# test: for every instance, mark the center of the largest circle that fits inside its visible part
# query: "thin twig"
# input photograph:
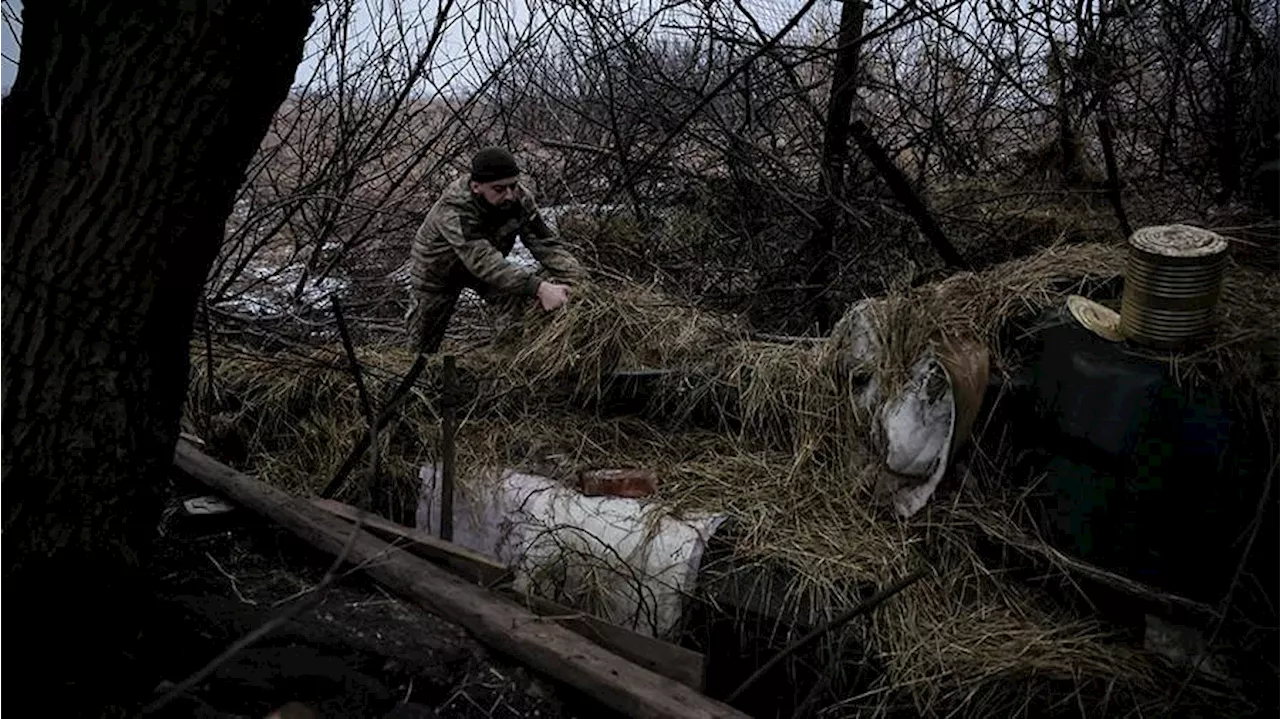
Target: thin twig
(366, 404)
(235, 583)
(271, 625)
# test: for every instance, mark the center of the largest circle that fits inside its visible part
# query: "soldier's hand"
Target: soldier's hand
(552, 296)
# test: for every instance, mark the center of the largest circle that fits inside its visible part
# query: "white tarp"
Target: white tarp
(919, 424)
(626, 560)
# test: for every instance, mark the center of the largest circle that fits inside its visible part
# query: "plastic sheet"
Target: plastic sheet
(625, 560)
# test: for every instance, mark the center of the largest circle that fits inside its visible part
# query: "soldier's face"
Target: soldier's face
(499, 193)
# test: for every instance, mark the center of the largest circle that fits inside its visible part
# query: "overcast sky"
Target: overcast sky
(9, 45)
(458, 45)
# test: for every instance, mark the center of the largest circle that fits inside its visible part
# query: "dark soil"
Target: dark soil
(359, 652)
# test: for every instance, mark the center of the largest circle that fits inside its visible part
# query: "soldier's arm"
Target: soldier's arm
(547, 247)
(484, 261)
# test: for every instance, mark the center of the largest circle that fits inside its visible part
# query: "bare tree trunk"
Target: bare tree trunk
(127, 132)
(835, 154)
(1115, 186)
(1228, 154)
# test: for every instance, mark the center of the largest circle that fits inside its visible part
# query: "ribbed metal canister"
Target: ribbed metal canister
(1172, 281)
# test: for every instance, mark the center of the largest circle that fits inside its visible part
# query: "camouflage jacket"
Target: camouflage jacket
(463, 240)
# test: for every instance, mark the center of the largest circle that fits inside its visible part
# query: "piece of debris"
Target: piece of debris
(206, 505)
(633, 483)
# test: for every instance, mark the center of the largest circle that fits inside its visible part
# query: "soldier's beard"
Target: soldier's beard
(503, 206)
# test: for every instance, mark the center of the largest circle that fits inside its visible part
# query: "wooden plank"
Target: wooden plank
(460, 560)
(497, 621)
(674, 662)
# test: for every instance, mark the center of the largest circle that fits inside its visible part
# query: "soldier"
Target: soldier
(464, 242)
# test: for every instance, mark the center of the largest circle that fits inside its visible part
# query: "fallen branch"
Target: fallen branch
(498, 622)
(911, 202)
(393, 404)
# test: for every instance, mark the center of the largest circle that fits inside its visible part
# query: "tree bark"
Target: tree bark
(127, 132)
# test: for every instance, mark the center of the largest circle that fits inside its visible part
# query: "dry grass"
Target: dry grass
(791, 465)
(606, 329)
(981, 305)
(992, 221)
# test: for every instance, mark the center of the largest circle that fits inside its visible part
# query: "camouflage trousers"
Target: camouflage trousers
(431, 311)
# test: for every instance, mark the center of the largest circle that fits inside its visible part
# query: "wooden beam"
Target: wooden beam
(674, 662)
(671, 661)
(496, 621)
(460, 560)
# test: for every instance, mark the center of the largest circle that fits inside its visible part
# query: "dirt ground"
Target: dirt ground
(360, 652)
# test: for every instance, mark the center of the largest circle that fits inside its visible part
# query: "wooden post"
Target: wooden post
(447, 430)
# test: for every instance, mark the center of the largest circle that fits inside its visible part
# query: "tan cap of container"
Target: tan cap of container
(1098, 319)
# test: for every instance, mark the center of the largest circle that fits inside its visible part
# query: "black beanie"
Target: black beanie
(493, 163)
